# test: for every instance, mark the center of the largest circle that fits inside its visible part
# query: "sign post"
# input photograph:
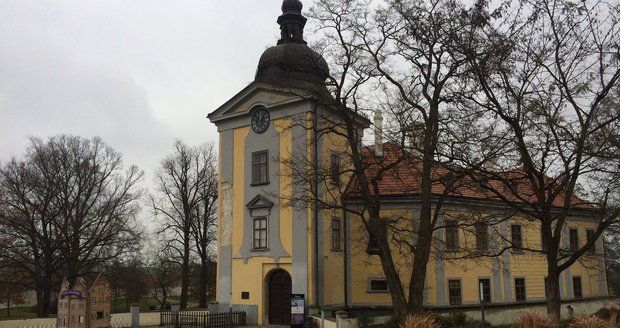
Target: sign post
(298, 310)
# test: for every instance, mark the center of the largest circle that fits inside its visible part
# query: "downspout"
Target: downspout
(315, 125)
(346, 256)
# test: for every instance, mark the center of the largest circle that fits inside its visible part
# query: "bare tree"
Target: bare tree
(541, 72)
(396, 57)
(96, 199)
(66, 205)
(184, 197)
(204, 228)
(164, 274)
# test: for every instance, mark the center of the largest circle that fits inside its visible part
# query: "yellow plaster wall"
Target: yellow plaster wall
(532, 266)
(239, 136)
(252, 277)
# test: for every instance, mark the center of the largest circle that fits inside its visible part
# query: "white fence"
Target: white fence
(119, 320)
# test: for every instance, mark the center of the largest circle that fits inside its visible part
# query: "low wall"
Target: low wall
(497, 316)
(119, 320)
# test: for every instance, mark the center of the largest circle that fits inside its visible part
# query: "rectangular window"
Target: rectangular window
(577, 290)
(520, 289)
(335, 169)
(336, 234)
(378, 285)
(516, 236)
(454, 290)
(590, 236)
(260, 167)
(373, 246)
(99, 315)
(574, 240)
(452, 235)
(484, 284)
(482, 237)
(260, 233)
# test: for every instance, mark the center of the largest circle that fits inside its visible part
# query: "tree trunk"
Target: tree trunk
(425, 230)
(552, 289)
(164, 298)
(44, 291)
(185, 274)
(399, 302)
(420, 260)
(202, 290)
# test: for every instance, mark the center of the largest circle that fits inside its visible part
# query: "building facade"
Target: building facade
(86, 305)
(271, 246)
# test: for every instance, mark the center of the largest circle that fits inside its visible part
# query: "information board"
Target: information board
(298, 306)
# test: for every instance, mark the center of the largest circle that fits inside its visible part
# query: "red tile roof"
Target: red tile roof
(403, 178)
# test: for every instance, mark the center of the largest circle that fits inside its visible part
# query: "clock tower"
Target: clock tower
(267, 245)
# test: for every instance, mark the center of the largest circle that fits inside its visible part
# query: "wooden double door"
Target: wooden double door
(280, 290)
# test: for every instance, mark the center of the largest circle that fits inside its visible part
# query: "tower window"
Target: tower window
(260, 233)
(260, 167)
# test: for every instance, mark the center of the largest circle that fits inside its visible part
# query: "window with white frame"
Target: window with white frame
(260, 233)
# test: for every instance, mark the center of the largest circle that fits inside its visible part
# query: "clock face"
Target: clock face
(260, 120)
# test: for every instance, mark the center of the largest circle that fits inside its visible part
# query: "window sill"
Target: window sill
(336, 249)
(260, 250)
(256, 184)
(377, 292)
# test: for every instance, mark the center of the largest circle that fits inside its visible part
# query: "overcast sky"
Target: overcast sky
(137, 73)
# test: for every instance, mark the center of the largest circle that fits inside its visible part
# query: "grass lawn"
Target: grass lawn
(28, 311)
(18, 313)
(145, 303)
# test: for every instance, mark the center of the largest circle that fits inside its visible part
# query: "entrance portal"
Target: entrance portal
(280, 298)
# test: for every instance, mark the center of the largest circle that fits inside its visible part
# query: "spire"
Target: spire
(292, 22)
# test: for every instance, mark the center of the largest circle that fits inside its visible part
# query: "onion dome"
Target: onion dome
(292, 63)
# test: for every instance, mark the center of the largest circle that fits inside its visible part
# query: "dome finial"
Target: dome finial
(292, 6)
(292, 22)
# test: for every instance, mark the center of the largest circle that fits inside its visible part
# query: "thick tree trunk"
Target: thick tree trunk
(399, 302)
(204, 279)
(44, 292)
(552, 289)
(418, 274)
(425, 231)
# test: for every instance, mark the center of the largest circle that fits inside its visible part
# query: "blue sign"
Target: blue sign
(71, 292)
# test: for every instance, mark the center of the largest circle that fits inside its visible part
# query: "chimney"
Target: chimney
(378, 133)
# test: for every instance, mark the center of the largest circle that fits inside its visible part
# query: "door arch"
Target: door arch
(280, 289)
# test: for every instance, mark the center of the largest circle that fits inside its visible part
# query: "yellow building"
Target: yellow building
(270, 249)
